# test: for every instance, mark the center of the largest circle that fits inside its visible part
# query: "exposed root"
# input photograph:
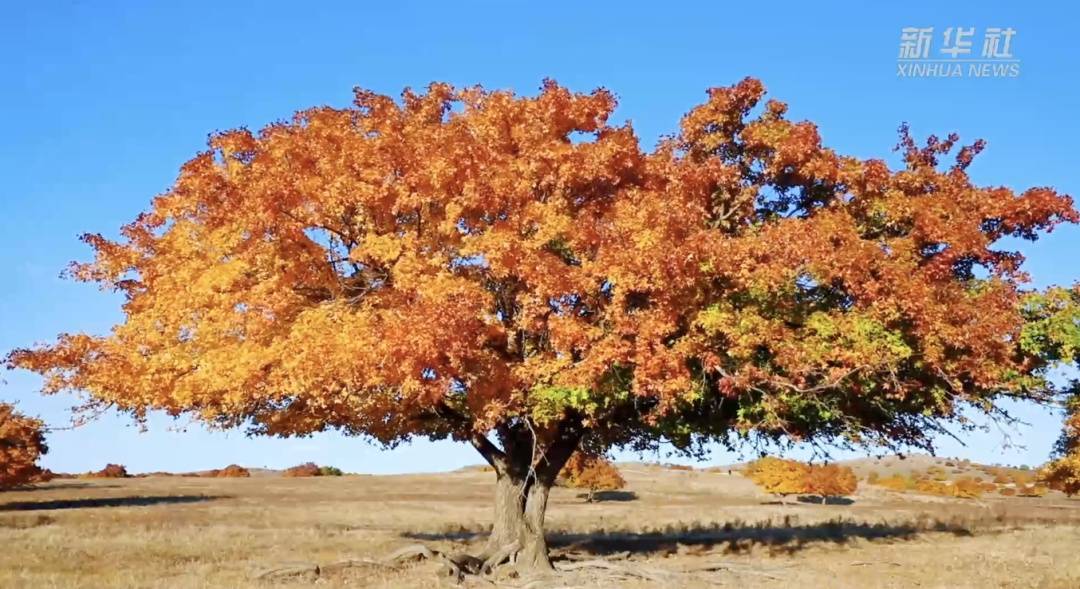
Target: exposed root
(290, 570)
(647, 573)
(500, 556)
(455, 565)
(465, 569)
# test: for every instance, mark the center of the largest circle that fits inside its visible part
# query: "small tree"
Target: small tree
(593, 473)
(830, 480)
(22, 442)
(779, 476)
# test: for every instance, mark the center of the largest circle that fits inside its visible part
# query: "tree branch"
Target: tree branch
(491, 453)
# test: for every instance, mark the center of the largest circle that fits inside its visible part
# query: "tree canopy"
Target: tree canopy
(464, 259)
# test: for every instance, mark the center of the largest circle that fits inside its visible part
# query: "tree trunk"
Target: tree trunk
(534, 549)
(520, 507)
(521, 494)
(509, 512)
(824, 499)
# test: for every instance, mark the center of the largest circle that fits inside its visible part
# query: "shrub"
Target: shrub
(307, 469)
(330, 471)
(1007, 491)
(111, 471)
(967, 488)
(22, 442)
(872, 477)
(1031, 491)
(963, 488)
(897, 482)
(1062, 474)
(830, 480)
(593, 473)
(43, 476)
(1002, 478)
(936, 473)
(1022, 478)
(232, 471)
(931, 487)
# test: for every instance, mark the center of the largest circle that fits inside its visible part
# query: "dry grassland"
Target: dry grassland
(186, 533)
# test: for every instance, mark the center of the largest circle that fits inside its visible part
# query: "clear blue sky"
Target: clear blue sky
(103, 101)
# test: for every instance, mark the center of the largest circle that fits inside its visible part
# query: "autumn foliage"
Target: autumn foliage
(464, 263)
(307, 469)
(896, 482)
(111, 471)
(22, 443)
(786, 477)
(830, 480)
(231, 471)
(593, 473)
(962, 488)
(778, 476)
(1031, 490)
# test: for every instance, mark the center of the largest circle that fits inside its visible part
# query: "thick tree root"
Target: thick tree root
(465, 569)
(455, 565)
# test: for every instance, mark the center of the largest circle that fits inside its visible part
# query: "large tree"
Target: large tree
(518, 273)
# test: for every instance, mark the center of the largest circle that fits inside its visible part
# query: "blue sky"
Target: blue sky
(103, 101)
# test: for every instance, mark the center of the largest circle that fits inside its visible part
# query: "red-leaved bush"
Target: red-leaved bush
(111, 471)
(307, 469)
(22, 442)
(231, 471)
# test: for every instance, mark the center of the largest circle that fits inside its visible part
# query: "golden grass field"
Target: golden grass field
(200, 533)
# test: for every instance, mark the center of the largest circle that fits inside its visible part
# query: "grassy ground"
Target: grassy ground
(200, 533)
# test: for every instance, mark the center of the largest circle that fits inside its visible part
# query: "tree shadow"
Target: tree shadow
(738, 537)
(599, 496)
(51, 486)
(105, 502)
(816, 500)
(783, 537)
